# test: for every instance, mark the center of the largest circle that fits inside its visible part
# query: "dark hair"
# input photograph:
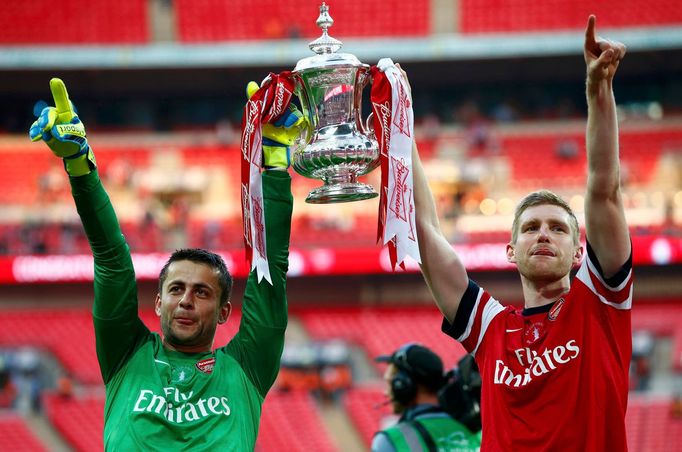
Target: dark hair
(201, 256)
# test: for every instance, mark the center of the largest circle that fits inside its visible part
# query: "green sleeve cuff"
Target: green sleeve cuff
(81, 165)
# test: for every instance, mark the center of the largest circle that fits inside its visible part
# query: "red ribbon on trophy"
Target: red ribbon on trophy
(394, 128)
(266, 105)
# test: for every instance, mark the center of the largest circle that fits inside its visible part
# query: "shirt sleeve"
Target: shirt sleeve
(475, 312)
(117, 326)
(615, 291)
(259, 342)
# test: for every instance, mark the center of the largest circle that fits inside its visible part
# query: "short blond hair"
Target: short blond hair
(542, 197)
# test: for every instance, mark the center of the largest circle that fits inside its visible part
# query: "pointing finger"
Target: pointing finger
(590, 36)
(61, 100)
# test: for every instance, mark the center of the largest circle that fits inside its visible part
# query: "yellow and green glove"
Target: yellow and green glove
(64, 133)
(279, 136)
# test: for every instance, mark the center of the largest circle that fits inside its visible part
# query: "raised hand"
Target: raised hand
(602, 56)
(280, 135)
(63, 131)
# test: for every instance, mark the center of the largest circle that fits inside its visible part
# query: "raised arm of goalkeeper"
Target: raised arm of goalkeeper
(114, 280)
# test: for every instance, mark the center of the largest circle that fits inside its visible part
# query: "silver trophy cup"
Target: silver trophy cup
(335, 145)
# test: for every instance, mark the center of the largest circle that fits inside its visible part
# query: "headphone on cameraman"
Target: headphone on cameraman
(403, 386)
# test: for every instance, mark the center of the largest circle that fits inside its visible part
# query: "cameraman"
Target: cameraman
(414, 377)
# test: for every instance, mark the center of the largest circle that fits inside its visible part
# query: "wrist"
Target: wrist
(80, 165)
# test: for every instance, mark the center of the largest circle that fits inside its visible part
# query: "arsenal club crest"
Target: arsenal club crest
(554, 312)
(206, 365)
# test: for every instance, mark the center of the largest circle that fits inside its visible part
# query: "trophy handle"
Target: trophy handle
(369, 126)
(366, 128)
(309, 116)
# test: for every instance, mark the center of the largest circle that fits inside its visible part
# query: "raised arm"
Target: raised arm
(442, 269)
(260, 340)
(607, 230)
(117, 325)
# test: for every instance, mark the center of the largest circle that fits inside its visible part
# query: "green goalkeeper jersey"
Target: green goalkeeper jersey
(157, 399)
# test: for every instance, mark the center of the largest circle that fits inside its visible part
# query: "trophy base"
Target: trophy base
(341, 192)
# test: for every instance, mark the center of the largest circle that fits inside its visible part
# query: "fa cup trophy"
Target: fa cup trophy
(336, 146)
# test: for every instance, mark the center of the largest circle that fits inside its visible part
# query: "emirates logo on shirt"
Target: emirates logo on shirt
(206, 365)
(535, 363)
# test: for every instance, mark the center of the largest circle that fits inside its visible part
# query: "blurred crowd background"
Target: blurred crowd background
(498, 91)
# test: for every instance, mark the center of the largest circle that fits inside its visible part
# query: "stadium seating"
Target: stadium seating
(662, 322)
(80, 22)
(16, 436)
(381, 331)
(535, 160)
(292, 418)
(653, 424)
(80, 421)
(214, 20)
(214, 220)
(367, 411)
(70, 336)
(520, 16)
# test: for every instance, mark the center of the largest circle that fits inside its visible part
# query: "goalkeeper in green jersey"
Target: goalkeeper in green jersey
(176, 392)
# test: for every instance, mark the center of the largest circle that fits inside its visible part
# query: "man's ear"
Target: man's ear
(157, 305)
(510, 254)
(578, 256)
(224, 313)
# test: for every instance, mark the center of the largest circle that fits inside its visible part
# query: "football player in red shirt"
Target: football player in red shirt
(555, 372)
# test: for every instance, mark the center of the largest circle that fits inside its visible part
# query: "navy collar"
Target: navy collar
(537, 309)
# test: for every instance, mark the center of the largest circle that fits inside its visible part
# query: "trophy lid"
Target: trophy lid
(325, 47)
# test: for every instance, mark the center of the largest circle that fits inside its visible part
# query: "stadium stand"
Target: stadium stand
(378, 331)
(16, 436)
(150, 210)
(292, 418)
(79, 420)
(69, 335)
(516, 16)
(212, 20)
(367, 410)
(653, 424)
(81, 22)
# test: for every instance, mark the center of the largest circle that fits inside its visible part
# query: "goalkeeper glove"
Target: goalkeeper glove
(64, 133)
(280, 135)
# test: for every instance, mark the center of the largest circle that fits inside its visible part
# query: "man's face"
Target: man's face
(544, 249)
(389, 373)
(189, 306)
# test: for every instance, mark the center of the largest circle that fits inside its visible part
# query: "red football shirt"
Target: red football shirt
(554, 377)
